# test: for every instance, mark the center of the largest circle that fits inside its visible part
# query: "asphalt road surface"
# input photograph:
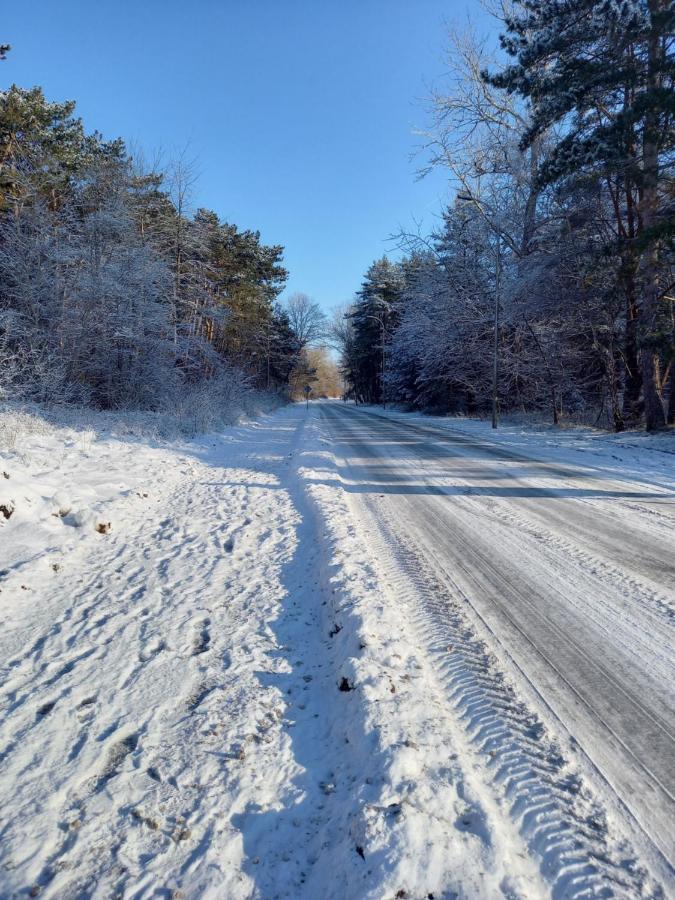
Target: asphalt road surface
(572, 574)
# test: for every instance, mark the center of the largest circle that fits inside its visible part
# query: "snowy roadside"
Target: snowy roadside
(213, 696)
(134, 725)
(221, 694)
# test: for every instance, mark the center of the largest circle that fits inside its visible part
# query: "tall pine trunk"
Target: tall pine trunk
(654, 413)
(632, 380)
(671, 399)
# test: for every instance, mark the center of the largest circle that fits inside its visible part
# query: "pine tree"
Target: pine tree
(602, 72)
(44, 149)
(374, 317)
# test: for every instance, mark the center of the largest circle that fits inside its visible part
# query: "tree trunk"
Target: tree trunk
(618, 421)
(654, 412)
(671, 398)
(554, 404)
(632, 381)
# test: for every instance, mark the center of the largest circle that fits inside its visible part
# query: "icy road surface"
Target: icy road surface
(570, 570)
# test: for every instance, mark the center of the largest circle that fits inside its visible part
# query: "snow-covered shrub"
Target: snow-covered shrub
(209, 405)
(16, 424)
(87, 319)
(83, 316)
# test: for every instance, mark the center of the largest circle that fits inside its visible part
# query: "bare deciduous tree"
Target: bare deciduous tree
(307, 319)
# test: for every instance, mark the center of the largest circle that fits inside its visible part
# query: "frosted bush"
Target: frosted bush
(16, 425)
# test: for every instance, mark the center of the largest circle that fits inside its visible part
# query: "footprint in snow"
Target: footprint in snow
(197, 696)
(45, 709)
(116, 756)
(85, 709)
(202, 640)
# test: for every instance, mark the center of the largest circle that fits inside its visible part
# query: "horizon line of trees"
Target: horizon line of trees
(562, 154)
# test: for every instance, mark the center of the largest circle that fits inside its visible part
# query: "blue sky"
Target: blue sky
(300, 113)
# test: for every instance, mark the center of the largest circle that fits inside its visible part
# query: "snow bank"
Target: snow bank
(134, 724)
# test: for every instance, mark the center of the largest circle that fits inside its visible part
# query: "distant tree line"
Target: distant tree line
(112, 293)
(564, 213)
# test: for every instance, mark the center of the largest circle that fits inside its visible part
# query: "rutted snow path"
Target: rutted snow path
(136, 738)
(250, 687)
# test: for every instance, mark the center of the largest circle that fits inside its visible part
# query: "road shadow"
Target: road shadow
(296, 835)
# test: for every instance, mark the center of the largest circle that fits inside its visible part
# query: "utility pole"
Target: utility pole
(269, 351)
(495, 351)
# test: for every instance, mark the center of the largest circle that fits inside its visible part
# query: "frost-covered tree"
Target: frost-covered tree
(441, 350)
(112, 291)
(602, 72)
(373, 318)
(474, 134)
(83, 307)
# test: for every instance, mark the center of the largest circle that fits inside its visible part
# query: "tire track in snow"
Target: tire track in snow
(564, 827)
(646, 628)
(658, 606)
(563, 824)
(518, 471)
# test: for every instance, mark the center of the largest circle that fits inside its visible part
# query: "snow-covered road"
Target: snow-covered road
(569, 572)
(331, 654)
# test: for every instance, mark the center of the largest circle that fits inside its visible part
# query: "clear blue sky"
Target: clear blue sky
(299, 112)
